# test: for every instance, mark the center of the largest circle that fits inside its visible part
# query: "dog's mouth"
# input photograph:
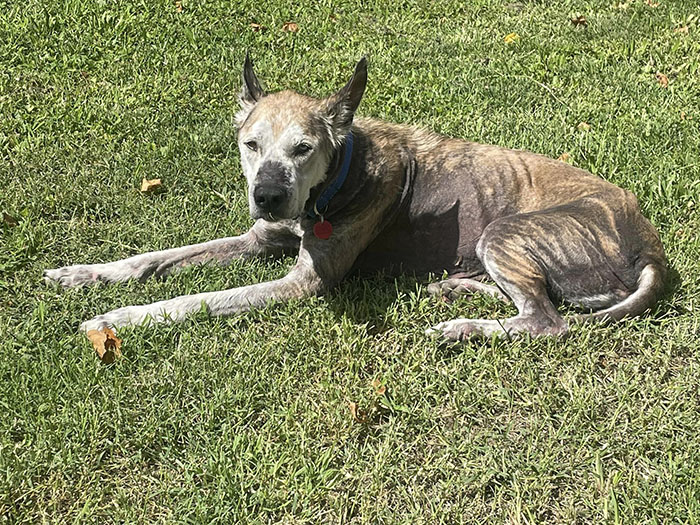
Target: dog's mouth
(275, 216)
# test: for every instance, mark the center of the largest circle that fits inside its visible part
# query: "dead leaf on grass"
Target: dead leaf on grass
(651, 3)
(106, 344)
(565, 157)
(579, 21)
(357, 413)
(178, 6)
(379, 389)
(662, 80)
(583, 126)
(9, 219)
(290, 27)
(681, 29)
(258, 28)
(150, 185)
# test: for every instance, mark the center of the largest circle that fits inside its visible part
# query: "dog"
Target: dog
(361, 195)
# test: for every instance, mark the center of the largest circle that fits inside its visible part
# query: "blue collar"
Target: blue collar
(335, 186)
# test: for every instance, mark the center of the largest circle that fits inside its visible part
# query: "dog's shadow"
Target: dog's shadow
(368, 299)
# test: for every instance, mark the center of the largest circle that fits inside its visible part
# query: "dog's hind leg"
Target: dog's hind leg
(263, 238)
(596, 253)
(458, 286)
(523, 282)
(512, 251)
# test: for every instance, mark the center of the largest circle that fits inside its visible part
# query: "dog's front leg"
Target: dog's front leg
(262, 238)
(321, 265)
(301, 281)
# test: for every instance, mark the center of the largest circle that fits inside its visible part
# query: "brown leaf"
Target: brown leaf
(290, 27)
(681, 29)
(379, 389)
(106, 344)
(579, 21)
(651, 3)
(358, 414)
(564, 157)
(149, 185)
(178, 6)
(9, 219)
(662, 80)
(258, 28)
(583, 126)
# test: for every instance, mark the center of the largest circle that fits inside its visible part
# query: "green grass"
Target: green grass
(246, 419)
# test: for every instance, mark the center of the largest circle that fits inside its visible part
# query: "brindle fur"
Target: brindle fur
(414, 201)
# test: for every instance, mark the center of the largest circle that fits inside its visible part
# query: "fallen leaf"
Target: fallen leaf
(579, 21)
(511, 38)
(290, 27)
(148, 185)
(358, 414)
(106, 344)
(178, 6)
(681, 29)
(651, 3)
(258, 28)
(662, 80)
(584, 126)
(564, 157)
(9, 219)
(379, 389)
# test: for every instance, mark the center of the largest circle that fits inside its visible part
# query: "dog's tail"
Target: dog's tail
(650, 285)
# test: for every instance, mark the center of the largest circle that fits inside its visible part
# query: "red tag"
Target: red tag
(323, 230)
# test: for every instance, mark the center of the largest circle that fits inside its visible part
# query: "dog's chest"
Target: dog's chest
(422, 240)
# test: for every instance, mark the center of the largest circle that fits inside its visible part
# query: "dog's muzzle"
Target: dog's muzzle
(270, 198)
(271, 192)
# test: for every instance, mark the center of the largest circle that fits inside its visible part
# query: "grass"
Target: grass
(246, 419)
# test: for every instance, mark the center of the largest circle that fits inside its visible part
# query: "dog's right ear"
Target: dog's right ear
(251, 92)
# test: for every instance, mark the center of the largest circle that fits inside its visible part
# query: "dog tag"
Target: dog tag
(323, 229)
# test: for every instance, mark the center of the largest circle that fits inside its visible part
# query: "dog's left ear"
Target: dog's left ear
(251, 92)
(343, 104)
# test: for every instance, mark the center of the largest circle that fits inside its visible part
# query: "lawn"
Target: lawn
(247, 419)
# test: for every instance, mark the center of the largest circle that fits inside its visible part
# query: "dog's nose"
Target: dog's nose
(269, 197)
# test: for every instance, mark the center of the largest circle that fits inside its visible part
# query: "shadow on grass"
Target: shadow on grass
(369, 299)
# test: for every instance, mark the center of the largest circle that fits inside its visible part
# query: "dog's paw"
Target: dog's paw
(71, 276)
(466, 329)
(128, 315)
(96, 323)
(447, 331)
(452, 289)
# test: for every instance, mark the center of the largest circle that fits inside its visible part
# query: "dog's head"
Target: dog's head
(287, 141)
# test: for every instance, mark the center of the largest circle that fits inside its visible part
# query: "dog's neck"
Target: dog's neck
(337, 174)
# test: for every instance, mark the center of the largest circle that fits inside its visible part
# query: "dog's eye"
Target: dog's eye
(251, 145)
(302, 149)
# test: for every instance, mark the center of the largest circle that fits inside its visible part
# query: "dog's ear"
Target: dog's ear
(251, 92)
(342, 105)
